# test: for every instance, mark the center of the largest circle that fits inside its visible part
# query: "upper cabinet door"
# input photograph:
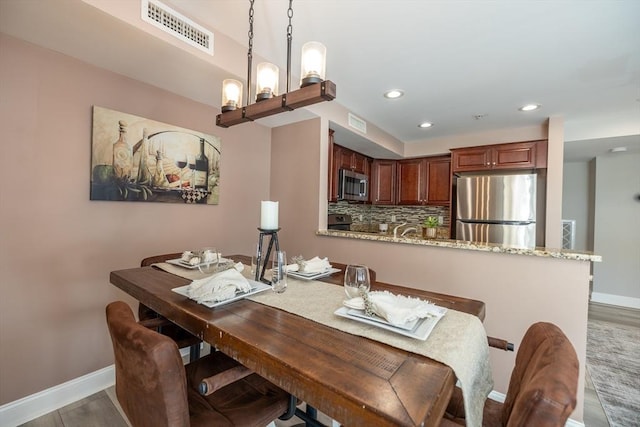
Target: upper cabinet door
(360, 163)
(471, 159)
(383, 182)
(344, 158)
(439, 181)
(412, 181)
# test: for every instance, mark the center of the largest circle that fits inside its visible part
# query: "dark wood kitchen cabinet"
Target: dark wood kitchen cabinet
(412, 181)
(343, 158)
(517, 155)
(424, 181)
(348, 159)
(439, 180)
(383, 182)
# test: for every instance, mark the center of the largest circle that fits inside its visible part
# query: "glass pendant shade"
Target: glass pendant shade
(313, 61)
(231, 94)
(267, 81)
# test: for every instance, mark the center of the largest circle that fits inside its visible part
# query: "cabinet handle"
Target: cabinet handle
(494, 163)
(488, 164)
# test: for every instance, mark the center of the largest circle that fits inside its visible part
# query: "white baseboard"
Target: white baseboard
(31, 407)
(619, 300)
(36, 405)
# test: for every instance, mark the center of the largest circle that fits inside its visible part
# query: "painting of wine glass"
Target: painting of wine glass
(142, 160)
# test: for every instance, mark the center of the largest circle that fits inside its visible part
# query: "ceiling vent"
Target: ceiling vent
(357, 123)
(170, 21)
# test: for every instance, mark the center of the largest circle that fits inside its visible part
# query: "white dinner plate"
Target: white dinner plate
(421, 330)
(223, 263)
(312, 276)
(256, 287)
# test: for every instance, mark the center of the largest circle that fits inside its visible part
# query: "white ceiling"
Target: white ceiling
(453, 59)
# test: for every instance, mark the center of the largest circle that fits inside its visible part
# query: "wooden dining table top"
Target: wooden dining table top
(352, 379)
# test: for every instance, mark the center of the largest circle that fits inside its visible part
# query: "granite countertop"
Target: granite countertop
(459, 244)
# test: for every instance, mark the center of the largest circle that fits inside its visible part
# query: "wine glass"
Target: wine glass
(181, 163)
(356, 277)
(191, 162)
(209, 260)
(279, 272)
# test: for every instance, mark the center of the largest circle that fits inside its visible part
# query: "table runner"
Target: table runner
(458, 340)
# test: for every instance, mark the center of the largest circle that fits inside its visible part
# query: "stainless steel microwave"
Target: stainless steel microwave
(353, 186)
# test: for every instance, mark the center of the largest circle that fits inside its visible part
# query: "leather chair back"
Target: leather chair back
(543, 386)
(151, 383)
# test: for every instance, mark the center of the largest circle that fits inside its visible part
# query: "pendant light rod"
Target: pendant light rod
(250, 52)
(289, 38)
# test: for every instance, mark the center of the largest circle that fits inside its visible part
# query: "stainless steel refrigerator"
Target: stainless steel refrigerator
(497, 209)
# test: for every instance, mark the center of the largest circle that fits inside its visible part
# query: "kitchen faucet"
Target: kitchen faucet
(409, 230)
(395, 229)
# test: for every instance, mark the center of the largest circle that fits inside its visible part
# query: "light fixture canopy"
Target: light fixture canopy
(313, 86)
(231, 95)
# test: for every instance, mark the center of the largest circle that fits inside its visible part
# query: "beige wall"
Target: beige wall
(56, 246)
(518, 290)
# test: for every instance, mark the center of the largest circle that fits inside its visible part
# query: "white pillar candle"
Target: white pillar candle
(269, 215)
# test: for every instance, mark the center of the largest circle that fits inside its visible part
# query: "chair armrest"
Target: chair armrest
(215, 382)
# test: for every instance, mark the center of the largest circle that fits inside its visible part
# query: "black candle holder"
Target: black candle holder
(273, 240)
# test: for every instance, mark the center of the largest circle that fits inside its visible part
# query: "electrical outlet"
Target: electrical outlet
(360, 216)
(393, 218)
(440, 220)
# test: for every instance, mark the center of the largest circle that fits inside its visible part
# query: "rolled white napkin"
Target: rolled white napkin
(314, 265)
(220, 286)
(397, 309)
(293, 267)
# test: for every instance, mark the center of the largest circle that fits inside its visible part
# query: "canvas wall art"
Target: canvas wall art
(142, 160)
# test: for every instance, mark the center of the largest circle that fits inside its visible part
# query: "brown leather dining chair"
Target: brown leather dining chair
(151, 319)
(155, 389)
(543, 386)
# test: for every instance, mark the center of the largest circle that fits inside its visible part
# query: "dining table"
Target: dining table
(352, 379)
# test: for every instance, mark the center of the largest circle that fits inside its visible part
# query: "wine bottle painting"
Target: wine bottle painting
(137, 159)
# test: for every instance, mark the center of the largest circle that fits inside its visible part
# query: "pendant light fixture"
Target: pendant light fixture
(313, 86)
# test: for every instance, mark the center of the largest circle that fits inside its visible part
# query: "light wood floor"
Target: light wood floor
(102, 409)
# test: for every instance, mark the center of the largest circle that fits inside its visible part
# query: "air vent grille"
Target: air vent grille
(357, 123)
(170, 21)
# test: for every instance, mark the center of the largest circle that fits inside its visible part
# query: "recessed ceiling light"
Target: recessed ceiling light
(529, 107)
(425, 125)
(618, 149)
(393, 94)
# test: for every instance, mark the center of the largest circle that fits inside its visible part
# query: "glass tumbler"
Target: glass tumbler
(209, 259)
(254, 259)
(279, 272)
(355, 278)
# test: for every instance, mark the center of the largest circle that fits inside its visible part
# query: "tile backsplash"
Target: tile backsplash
(372, 215)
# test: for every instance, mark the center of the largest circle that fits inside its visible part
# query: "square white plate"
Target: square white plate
(221, 265)
(256, 287)
(420, 331)
(312, 276)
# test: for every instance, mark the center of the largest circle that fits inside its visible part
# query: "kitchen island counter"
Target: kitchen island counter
(459, 244)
